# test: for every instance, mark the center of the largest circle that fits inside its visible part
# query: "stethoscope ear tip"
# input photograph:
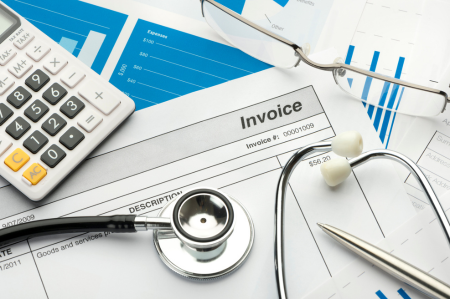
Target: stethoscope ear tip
(335, 171)
(348, 144)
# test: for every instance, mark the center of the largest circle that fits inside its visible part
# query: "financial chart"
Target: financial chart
(87, 31)
(160, 64)
(390, 96)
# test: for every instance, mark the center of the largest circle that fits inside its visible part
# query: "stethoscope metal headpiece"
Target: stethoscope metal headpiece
(203, 218)
(211, 235)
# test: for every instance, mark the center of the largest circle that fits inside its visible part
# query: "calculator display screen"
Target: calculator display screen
(6, 21)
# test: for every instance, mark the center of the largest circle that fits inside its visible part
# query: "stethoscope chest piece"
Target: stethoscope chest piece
(212, 234)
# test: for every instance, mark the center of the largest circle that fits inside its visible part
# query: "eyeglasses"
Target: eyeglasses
(369, 87)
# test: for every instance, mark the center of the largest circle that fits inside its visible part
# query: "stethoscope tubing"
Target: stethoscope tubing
(116, 224)
(321, 147)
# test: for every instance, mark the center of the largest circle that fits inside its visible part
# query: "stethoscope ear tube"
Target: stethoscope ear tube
(117, 224)
(355, 162)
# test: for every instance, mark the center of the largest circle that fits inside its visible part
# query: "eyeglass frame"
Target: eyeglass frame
(336, 68)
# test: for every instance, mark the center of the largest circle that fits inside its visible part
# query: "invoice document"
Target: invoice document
(236, 137)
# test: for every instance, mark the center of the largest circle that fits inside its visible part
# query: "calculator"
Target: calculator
(54, 110)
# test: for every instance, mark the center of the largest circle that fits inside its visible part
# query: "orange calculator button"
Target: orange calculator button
(17, 159)
(35, 173)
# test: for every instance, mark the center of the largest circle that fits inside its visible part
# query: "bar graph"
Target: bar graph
(389, 95)
(87, 31)
(159, 64)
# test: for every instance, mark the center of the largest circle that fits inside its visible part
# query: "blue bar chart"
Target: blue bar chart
(160, 64)
(81, 28)
(390, 96)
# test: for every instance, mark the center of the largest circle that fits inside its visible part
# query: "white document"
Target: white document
(420, 242)
(244, 158)
(427, 142)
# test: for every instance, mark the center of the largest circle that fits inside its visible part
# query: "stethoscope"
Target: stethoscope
(206, 234)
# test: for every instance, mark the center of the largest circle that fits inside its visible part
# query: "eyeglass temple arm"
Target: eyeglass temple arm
(355, 162)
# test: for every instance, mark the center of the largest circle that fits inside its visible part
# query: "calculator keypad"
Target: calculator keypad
(18, 128)
(5, 113)
(72, 107)
(19, 97)
(36, 111)
(53, 156)
(54, 94)
(35, 142)
(54, 124)
(37, 80)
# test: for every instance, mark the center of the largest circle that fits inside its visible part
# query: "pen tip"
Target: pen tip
(321, 225)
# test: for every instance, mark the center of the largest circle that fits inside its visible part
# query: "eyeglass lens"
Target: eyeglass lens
(248, 39)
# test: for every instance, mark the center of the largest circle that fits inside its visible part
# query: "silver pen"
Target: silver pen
(391, 264)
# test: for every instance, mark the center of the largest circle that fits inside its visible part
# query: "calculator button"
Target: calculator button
(5, 144)
(97, 96)
(54, 94)
(72, 77)
(53, 156)
(55, 63)
(35, 142)
(72, 107)
(23, 40)
(89, 121)
(5, 113)
(71, 138)
(6, 81)
(37, 80)
(18, 128)
(6, 54)
(36, 111)
(38, 50)
(35, 173)
(20, 66)
(19, 97)
(17, 159)
(54, 124)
